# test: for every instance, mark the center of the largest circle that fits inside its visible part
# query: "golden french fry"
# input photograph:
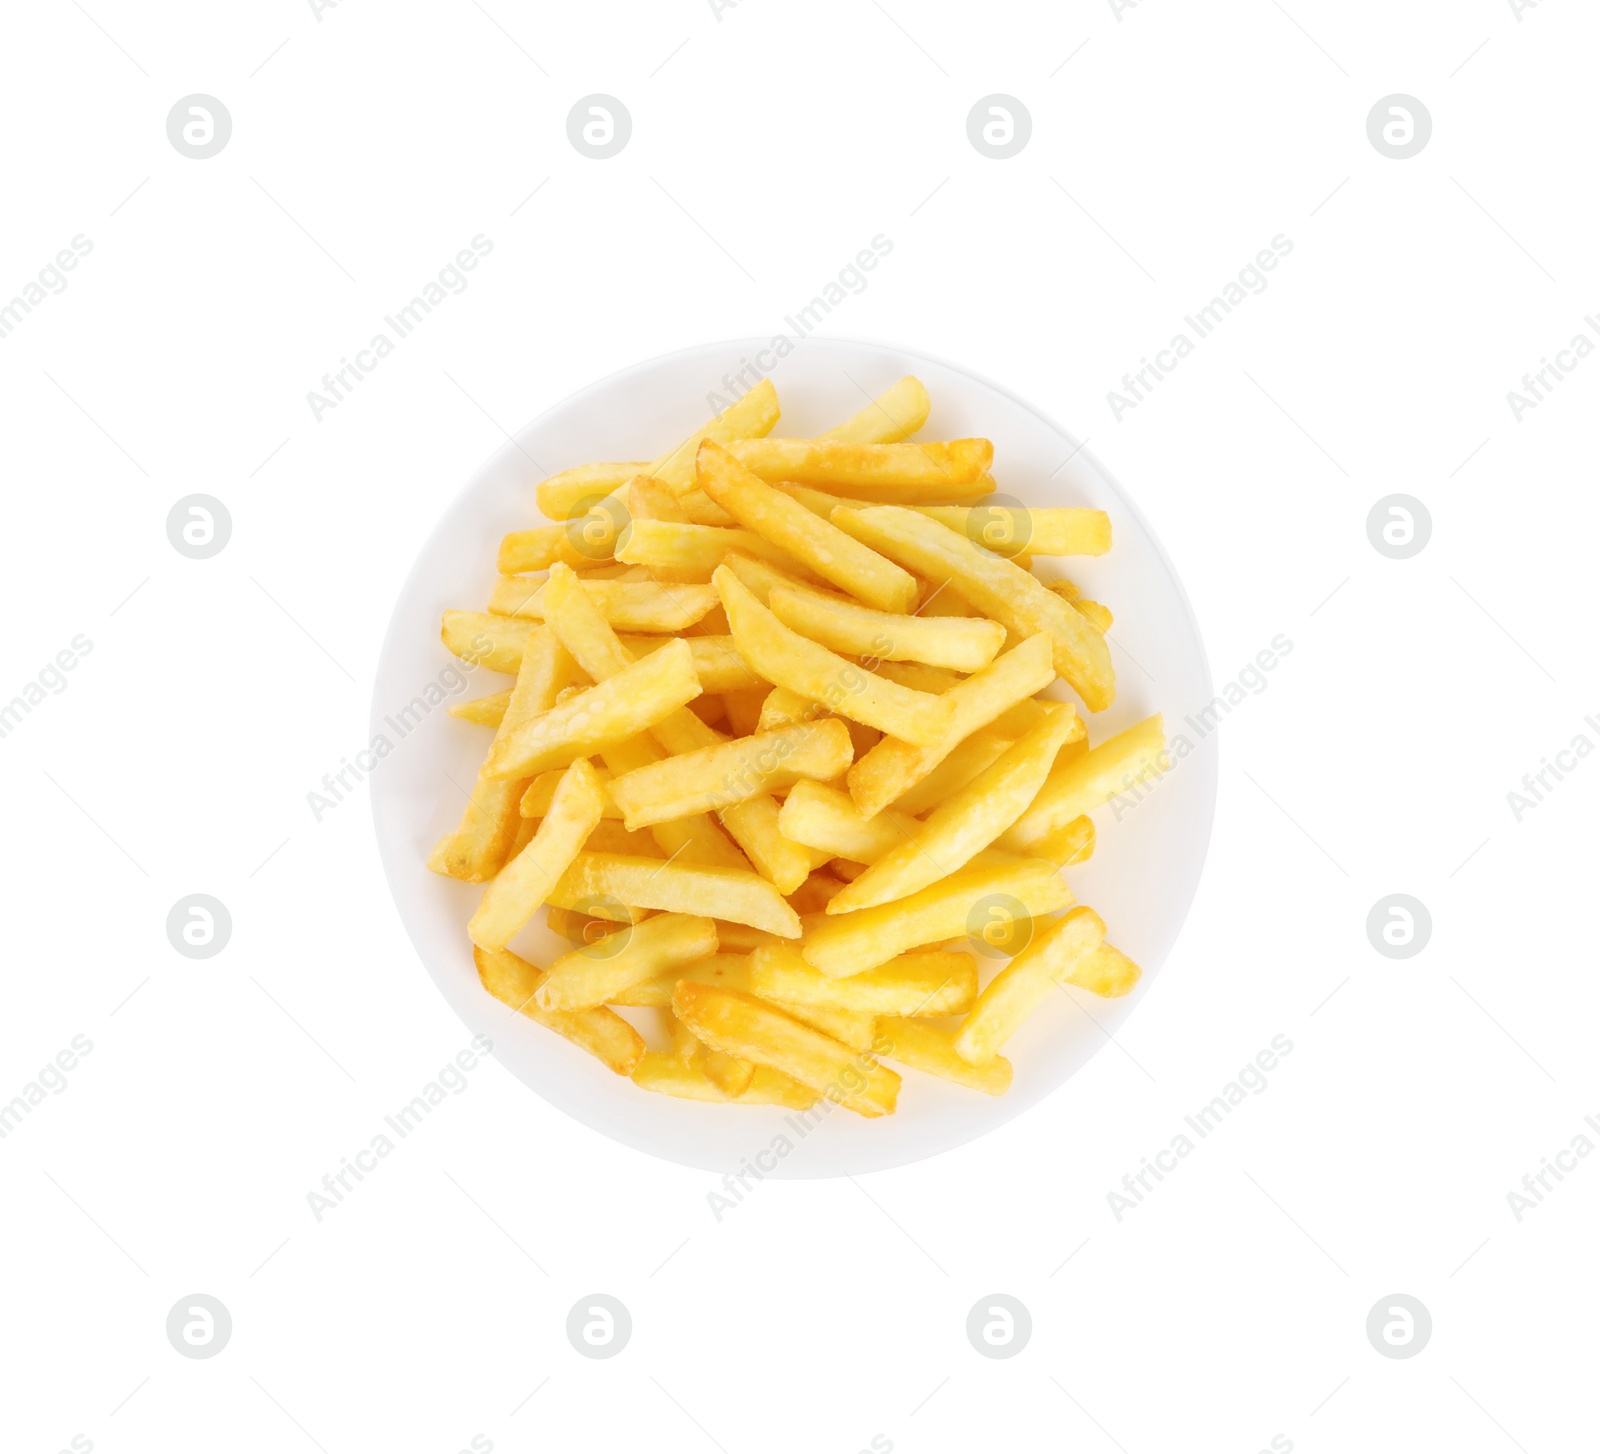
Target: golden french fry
(1107, 972)
(480, 845)
(716, 660)
(1053, 955)
(851, 943)
(823, 818)
(962, 643)
(748, 417)
(729, 971)
(848, 1027)
(933, 1051)
(626, 605)
(963, 826)
(912, 469)
(740, 1025)
(649, 499)
(820, 546)
(1070, 844)
(603, 1033)
(560, 496)
(488, 711)
(586, 542)
(760, 576)
(820, 502)
(647, 883)
(998, 587)
(730, 1074)
(1091, 779)
(536, 800)
(1014, 530)
(485, 639)
(598, 972)
(783, 708)
(788, 660)
(667, 1075)
(966, 760)
(610, 711)
(518, 890)
(930, 983)
(897, 413)
(714, 778)
(578, 928)
(894, 765)
(697, 550)
(754, 826)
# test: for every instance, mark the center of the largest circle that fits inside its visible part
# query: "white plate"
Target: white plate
(1142, 876)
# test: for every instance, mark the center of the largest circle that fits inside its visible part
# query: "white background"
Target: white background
(1170, 144)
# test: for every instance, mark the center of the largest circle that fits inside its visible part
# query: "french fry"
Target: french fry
(848, 944)
(893, 766)
(783, 708)
(561, 494)
(966, 824)
(996, 586)
(848, 1027)
(540, 548)
(1012, 530)
(520, 888)
(744, 708)
(754, 826)
(485, 639)
(788, 660)
(741, 938)
(603, 1033)
(933, 1052)
(649, 499)
(822, 547)
(749, 417)
(934, 468)
(966, 760)
(487, 711)
(667, 1075)
(599, 971)
(823, 818)
(1107, 972)
(714, 778)
(693, 552)
(626, 605)
(479, 846)
(726, 970)
(577, 928)
(716, 661)
(646, 883)
(609, 836)
(1069, 844)
(536, 800)
(959, 642)
(931, 983)
(730, 1074)
(760, 576)
(740, 1025)
(1090, 780)
(611, 711)
(897, 413)
(1052, 956)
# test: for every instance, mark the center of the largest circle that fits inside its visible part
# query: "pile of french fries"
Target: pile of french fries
(778, 758)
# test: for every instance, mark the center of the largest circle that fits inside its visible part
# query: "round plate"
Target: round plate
(1152, 842)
